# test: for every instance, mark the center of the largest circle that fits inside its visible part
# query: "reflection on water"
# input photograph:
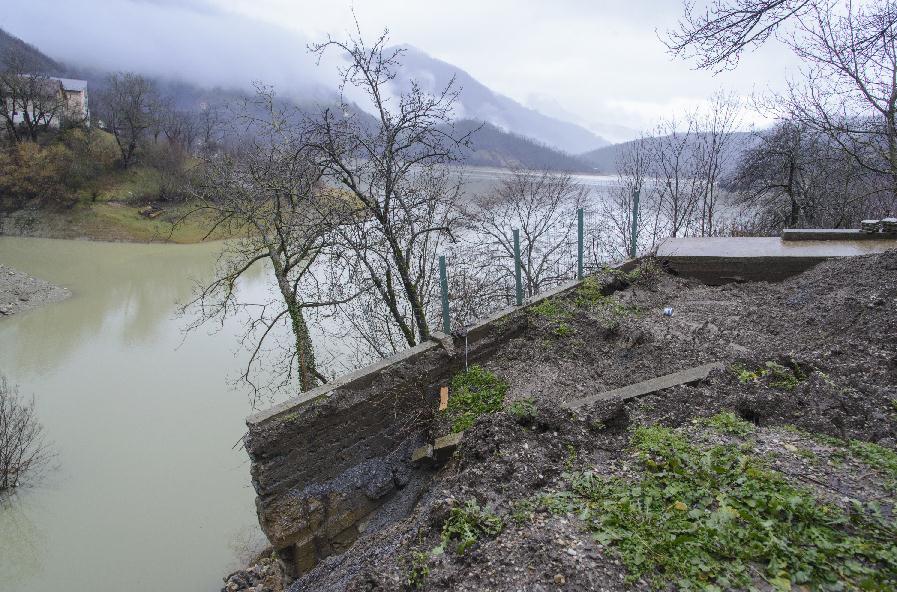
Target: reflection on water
(150, 494)
(21, 542)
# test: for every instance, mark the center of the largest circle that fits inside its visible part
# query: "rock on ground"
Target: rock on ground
(20, 292)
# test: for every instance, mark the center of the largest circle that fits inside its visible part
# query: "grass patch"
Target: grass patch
(550, 309)
(588, 295)
(563, 330)
(474, 392)
(467, 524)
(729, 423)
(717, 518)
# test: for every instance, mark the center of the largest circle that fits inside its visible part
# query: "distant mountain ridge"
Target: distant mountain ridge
(491, 145)
(604, 160)
(479, 102)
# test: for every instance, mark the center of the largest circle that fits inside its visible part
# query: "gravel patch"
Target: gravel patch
(20, 292)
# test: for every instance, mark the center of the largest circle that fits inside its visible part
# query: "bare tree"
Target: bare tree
(129, 106)
(849, 91)
(713, 153)
(24, 451)
(269, 193)
(796, 176)
(394, 167)
(209, 123)
(31, 101)
(679, 185)
(542, 206)
(635, 171)
(717, 36)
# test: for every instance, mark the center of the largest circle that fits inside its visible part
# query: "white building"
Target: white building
(73, 106)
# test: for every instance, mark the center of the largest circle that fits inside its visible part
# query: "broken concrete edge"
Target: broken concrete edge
(440, 450)
(425, 452)
(649, 386)
(804, 234)
(364, 376)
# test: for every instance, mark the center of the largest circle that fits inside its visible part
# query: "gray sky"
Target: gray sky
(593, 61)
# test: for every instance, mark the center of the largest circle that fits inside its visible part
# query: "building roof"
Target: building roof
(72, 84)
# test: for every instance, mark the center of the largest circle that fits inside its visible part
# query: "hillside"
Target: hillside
(493, 147)
(481, 103)
(779, 466)
(35, 59)
(604, 160)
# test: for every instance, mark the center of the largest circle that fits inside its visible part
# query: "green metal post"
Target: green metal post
(517, 271)
(443, 282)
(579, 244)
(634, 237)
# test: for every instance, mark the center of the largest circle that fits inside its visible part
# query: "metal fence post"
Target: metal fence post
(579, 242)
(634, 237)
(517, 271)
(443, 282)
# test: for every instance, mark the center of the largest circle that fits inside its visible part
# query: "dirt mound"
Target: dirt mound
(806, 407)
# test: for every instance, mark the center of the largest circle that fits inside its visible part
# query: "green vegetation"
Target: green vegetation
(729, 423)
(419, 570)
(473, 393)
(523, 410)
(572, 455)
(777, 376)
(588, 295)
(878, 457)
(72, 186)
(522, 511)
(467, 524)
(550, 309)
(563, 330)
(715, 518)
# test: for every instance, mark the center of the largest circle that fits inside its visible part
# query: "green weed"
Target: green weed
(717, 518)
(467, 524)
(419, 570)
(523, 409)
(778, 376)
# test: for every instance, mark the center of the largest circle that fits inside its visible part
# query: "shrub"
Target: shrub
(29, 172)
(23, 452)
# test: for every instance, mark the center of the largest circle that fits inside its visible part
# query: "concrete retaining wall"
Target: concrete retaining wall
(324, 463)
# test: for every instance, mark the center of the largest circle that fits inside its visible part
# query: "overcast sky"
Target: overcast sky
(595, 60)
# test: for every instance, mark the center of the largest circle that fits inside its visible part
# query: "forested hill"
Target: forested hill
(493, 147)
(34, 59)
(604, 160)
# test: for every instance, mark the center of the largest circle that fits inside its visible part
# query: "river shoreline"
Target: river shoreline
(20, 292)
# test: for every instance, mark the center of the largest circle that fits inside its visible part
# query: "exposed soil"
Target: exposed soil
(809, 359)
(20, 292)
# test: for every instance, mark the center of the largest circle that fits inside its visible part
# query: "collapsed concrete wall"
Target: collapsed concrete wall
(325, 463)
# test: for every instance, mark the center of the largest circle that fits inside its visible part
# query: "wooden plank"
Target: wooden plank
(443, 398)
(649, 386)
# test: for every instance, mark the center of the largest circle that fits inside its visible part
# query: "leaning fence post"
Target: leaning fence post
(634, 236)
(579, 244)
(517, 266)
(443, 282)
